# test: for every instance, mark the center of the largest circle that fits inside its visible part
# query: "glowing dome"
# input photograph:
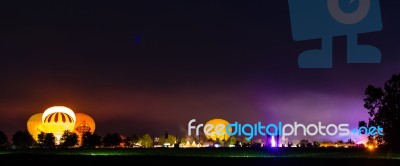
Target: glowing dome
(58, 119)
(84, 123)
(222, 136)
(59, 109)
(34, 125)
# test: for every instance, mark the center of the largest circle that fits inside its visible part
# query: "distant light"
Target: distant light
(273, 142)
(370, 147)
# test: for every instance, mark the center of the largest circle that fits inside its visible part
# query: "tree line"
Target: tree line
(23, 139)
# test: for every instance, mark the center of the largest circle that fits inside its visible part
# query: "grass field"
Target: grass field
(218, 152)
(205, 155)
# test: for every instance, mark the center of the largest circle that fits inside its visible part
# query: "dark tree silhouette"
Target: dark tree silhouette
(3, 140)
(303, 143)
(166, 134)
(46, 140)
(128, 142)
(350, 141)
(49, 140)
(316, 144)
(135, 138)
(22, 139)
(383, 106)
(132, 140)
(90, 140)
(112, 140)
(40, 140)
(340, 142)
(362, 124)
(69, 139)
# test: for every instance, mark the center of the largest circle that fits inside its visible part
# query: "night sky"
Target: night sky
(145, 66)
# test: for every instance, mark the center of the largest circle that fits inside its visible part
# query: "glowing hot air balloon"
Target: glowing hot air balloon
(34, 125)
(84, 123)
(58, 119)
(217, 133)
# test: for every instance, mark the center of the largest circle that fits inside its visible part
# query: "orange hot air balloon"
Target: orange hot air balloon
(84, 123)
(220, 135)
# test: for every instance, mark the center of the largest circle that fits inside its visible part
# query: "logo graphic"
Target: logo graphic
(214, 129)
(219, 129)
(325, 19)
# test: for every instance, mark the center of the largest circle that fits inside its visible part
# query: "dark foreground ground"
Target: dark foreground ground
(168, 157)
